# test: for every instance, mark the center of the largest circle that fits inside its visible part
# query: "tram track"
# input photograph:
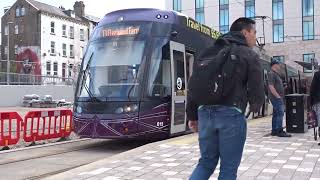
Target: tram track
(43, 155)
(50, 160)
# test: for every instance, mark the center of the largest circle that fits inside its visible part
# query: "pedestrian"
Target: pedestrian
(222, 127)
(276, 94)
(315, 95)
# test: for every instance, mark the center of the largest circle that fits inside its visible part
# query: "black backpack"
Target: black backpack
(213, 77)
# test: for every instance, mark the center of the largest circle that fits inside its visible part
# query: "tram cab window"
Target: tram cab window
(159, 83)
(114, 68)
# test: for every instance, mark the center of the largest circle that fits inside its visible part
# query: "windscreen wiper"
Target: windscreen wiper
(84, 78)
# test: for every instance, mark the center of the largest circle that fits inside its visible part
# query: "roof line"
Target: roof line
(32, 5)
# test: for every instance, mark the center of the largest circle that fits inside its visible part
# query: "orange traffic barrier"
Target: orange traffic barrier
(10, 123)
(43, 125)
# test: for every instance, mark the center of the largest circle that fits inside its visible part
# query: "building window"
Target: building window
(70, 70)
(224, 16)
(16, 29)
(64, 65)
(52, 28)
(308, 58)
(308, 19)
(53, 48)
(64, 50)
(279, 58)
(55, 68)
(17, 11)
(200, 11)
(71, 33)
(250, 8)
(48, 67)
(15, 49)
(6, 50)
(71, 51)
(278, 23)
(81, 34)
(23, 11)
(6, 30)
(81, 52)
(21, 28)
(177, 5)
(64, 30)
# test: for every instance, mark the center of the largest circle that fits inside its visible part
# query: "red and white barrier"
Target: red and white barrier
(10, 124)
(43, 125)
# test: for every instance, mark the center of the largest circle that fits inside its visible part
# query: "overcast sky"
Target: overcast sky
(96, 7)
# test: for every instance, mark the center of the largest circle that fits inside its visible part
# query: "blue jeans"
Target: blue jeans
(277, 115)
(222, 134)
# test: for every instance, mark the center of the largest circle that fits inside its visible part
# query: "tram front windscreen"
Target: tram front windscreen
(112, 69)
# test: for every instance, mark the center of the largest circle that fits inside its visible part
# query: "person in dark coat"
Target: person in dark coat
(315, 94)
(222, 127)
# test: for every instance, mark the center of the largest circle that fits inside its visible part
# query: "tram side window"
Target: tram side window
(159, 84)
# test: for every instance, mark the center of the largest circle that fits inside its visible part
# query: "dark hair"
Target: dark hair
(242, 23)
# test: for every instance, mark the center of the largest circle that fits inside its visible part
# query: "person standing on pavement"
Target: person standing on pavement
(222, 127)
(276, 94)
(315, 94)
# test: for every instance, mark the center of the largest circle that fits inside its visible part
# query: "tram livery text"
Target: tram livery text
(202, 28)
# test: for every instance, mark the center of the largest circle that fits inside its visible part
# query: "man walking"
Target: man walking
(276, 94)
(222, 127)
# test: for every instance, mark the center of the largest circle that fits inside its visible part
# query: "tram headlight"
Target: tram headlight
(127, 109)
(119, 110)
(79, 109)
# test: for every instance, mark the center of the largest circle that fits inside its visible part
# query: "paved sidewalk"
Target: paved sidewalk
(265, 157)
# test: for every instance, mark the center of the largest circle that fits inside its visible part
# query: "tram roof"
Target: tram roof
(141, 14)
(157, 15)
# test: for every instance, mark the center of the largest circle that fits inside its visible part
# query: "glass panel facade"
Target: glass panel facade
(307, 7)
(250, 8)
(308, 30)
(177, 6)
(278, 23)
(308, 19)
(200, 11)
(278, 35)
(224, 16)
(308, 58)
(279, 58)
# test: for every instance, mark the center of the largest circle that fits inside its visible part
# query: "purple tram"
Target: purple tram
(133, 77)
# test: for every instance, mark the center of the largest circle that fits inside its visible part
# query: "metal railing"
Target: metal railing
(29, 79)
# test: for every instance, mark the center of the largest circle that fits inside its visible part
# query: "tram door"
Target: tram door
(178, 82)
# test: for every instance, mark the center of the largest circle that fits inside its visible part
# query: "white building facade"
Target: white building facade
(40, 39)
(63, 43)
(289, 30)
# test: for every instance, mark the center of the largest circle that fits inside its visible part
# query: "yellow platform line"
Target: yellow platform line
(192, 139)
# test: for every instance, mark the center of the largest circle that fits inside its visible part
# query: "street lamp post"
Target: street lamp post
(8, 55)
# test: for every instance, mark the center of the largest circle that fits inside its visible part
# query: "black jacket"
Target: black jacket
(248, 81)
(315, 89)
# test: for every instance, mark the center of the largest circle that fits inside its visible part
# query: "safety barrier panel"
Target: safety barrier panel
(10, 123)
(43, 125)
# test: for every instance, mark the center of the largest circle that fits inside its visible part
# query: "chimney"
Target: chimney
(62, 8)
(5, 9)
(79, 8)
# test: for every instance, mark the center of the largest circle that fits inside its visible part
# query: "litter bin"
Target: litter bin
(296, 113)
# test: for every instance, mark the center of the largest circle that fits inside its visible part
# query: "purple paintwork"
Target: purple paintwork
(112, 126)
